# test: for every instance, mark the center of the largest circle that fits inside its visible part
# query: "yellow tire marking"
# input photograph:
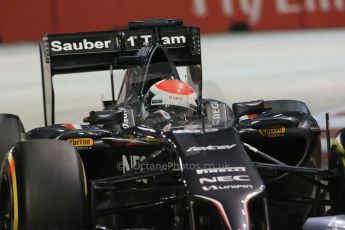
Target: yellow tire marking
(14, 190)
(338, 146)
(84, 175)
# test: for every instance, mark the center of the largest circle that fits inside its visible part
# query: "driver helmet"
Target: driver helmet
(171, 95)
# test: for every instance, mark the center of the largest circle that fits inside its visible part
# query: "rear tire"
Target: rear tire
(11, 131)
(42, 187)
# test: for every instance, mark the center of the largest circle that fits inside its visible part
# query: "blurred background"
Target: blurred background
(251, 49)
(23, 20)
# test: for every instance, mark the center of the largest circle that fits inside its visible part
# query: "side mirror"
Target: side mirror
(250, 107)
(105, 117)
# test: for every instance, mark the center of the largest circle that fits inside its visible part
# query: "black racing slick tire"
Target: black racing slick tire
(11, 131)
(42, 187)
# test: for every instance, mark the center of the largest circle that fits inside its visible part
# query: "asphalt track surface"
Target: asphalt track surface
(302, 65)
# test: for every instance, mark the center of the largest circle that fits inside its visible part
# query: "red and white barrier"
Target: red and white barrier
(29, 20)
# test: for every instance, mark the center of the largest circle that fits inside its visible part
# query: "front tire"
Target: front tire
(42, 187)
(11, 131)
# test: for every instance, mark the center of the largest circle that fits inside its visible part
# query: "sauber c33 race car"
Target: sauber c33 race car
(144, 164)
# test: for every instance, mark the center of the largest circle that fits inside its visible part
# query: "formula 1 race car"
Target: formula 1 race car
(143, 164)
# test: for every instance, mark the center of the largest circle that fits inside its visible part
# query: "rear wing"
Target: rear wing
(94, 51)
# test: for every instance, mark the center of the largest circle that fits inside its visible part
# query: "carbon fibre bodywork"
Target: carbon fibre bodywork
(130, 170)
